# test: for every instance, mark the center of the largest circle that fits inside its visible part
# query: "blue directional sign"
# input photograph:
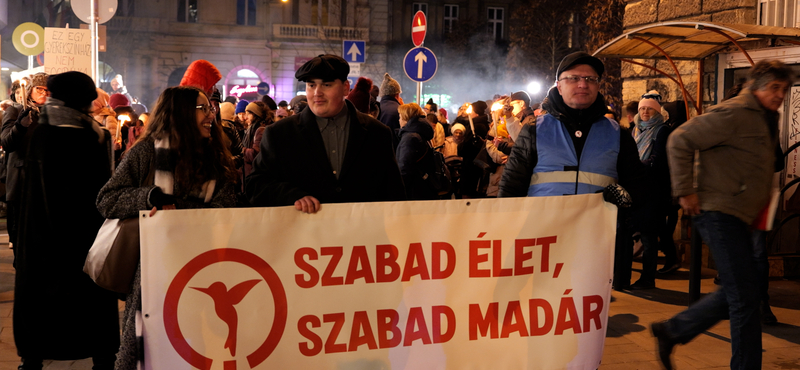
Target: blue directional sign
(354, 51)
(420, 64)
(352, 80)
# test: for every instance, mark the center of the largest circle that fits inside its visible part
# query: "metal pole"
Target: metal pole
(93, 30)
(30, 62)
(419, 93)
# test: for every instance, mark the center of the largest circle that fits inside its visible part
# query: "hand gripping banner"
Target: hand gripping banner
(513, 283)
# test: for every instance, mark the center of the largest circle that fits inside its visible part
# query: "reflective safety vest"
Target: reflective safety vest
(558, 169)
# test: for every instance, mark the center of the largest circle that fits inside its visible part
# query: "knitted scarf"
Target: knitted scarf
(165, 160)
(645, 132)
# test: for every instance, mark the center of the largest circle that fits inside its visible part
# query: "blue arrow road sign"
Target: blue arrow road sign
(420, 64)
(354, 51)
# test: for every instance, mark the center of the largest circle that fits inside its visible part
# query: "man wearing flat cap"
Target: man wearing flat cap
(329, 153)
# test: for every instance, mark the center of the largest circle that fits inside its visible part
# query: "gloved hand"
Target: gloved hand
(617, 195)
(158, 199)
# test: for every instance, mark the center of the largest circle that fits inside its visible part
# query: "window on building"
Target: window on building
(319, 12)
(187, 11)
(246, 12)
(450, 17)
(419, 6)
(495, 20)
(778, 13)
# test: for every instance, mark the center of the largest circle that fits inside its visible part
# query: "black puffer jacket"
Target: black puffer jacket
(411, 151)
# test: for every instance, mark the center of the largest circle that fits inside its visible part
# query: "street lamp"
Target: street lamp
(534, 87)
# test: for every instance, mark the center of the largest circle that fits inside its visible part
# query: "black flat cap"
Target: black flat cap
(577, 58)
(326, 67)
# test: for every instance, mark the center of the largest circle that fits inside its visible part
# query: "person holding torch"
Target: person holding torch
(19, 122)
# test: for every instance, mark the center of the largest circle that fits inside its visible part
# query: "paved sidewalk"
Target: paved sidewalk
(629, 345)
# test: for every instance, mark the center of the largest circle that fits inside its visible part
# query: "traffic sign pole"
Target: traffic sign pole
(93, 30)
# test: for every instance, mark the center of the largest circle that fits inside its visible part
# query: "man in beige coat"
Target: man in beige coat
(736, 144)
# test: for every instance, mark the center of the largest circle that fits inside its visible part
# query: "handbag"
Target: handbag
(114, 257)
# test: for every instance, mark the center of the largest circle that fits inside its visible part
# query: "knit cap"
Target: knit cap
(226, 111)
(651, 103)
(37, 79)
(457, 127)
(390, 86)
(118, 100)
(201, 74)
(359, 96)
(241, 106)
(255, 109)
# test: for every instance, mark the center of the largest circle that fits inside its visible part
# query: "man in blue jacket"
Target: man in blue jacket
(573, 148)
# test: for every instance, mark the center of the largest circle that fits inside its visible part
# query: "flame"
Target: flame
(123, 118)
(497, 106)
(22, 82)
(469, 109)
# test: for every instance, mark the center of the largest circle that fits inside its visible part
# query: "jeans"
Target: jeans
(760, 254)
(730, 241)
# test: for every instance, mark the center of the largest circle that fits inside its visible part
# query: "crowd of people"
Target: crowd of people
(77, 155)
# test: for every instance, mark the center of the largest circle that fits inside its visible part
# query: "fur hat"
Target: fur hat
(241, 106)
(226, 111)
(202, 75)
(75, 89)
(390, 86)
(37, 79)
(359, 96)
(256, 110)
(118, 100)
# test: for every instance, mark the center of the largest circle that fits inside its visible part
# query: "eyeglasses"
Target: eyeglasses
(592, 80)
(206, 108)
(42, 89)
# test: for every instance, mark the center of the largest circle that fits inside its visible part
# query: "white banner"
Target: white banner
(513, 283)
(67, 49)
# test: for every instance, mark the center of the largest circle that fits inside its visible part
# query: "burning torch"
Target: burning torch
(122, 118)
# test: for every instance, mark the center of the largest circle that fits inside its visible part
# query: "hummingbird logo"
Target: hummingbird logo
(224, 300)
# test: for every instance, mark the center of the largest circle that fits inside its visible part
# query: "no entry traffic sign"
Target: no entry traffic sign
(419, 26)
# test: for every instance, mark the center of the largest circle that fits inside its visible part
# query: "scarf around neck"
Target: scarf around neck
(165, 169)
(644, 134)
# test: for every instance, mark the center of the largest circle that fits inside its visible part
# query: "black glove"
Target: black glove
(158, 199)
(617, 195)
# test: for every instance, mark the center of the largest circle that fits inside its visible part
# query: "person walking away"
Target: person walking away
(59, 312)
(736, 142)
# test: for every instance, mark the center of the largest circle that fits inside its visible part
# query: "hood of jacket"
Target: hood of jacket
(418, 125)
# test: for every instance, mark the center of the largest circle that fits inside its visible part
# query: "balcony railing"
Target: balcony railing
(295, 31)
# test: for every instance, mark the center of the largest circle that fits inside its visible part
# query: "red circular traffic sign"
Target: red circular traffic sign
(419, 26)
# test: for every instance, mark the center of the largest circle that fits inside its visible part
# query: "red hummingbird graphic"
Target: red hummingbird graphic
(224, 300)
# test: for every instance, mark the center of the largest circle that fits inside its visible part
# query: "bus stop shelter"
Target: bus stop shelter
(694, 42)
